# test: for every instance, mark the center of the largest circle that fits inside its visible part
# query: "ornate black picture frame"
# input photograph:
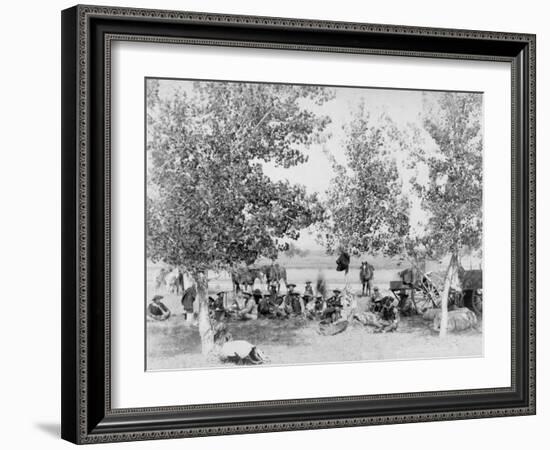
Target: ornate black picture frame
(87, 35)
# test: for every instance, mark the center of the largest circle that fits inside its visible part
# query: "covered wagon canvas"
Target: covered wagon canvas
(300, 224)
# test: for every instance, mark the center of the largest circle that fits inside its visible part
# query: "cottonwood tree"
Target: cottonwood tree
(366, 211)
(210, 206)
(452, 195)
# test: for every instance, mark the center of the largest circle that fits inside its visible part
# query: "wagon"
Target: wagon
(417, 287)
(424, 289)
(472, 290)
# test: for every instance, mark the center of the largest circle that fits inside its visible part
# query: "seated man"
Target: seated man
(376, 302)
(314, 307)
(320, 303)
(406, 305)
(286, 305)
(265, 306)
(297, 304)
(218, 306)
(290, 288)
(158, 310)
(257, 294)
(250, 310)
(389, 315)
(333, 306)
(280, 307)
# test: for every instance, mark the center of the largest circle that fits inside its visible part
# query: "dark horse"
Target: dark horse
(366, 274)
(245, 276)
(274, 273)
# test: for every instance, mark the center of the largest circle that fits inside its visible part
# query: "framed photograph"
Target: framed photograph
(279, 224)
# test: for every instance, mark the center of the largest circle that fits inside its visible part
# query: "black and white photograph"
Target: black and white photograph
(275, 225)
(291, 224)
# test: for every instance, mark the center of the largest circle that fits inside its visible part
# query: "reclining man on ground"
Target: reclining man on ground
(384, 321)
(158, 310)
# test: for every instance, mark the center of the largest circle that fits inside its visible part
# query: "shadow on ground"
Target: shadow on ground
(52, 429)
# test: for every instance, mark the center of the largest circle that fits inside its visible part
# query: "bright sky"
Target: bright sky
(402, 106)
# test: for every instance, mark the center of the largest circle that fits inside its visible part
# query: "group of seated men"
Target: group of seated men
(292, 304)
(279, 306)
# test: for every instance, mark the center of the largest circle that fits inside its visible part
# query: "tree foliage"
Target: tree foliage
(453, 193)
(366, 211)
(210, 204)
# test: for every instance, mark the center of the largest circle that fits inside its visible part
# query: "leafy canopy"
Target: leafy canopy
(367, 212)
(210, 205)
(453, 192)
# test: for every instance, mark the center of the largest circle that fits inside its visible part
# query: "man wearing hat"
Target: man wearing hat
(320, 303)
(188, 300)
(257, 294)
(308, 289)
(265, 308)
(389, 315)
(158, 310)
(249, 311)
(377, 298)
(297, 303)
(287, 303)
(334, 305)
(313, 305)
(219, 307)
(336, 298)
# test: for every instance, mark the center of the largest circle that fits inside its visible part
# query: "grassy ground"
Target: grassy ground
(175, 344)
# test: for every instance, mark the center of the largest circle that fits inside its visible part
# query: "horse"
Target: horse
(245, 276)
(274, 273)
(160, 279)
(174, 281)
(366, 274)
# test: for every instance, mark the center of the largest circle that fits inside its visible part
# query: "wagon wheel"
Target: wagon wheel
(423, 301)
(430, 295)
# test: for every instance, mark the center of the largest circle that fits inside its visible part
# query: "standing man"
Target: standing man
(288, 298)
(187, 301)
(308, 289)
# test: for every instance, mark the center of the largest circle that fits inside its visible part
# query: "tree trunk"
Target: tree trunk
(445, 295)
(205, 326)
